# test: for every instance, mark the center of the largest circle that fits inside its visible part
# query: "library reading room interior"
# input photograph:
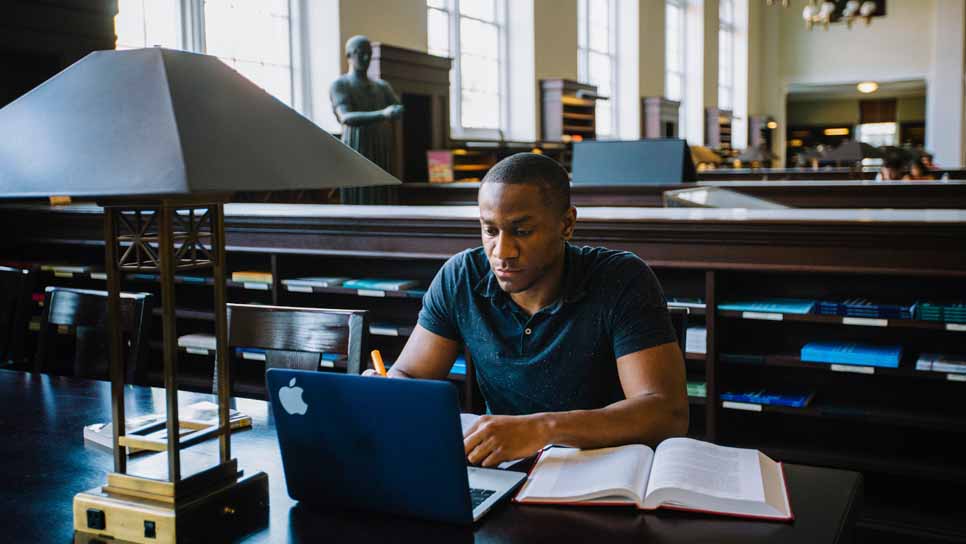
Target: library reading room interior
(447, 270)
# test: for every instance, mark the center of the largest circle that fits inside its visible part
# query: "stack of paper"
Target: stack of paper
(696, 340)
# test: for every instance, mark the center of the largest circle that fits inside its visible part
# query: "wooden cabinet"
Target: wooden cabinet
(718, 129)
(568, 110)
(659, 117)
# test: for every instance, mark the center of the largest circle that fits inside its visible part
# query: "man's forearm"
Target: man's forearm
(359, 118)
(645, 419)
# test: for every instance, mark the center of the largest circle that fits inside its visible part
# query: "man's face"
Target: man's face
(522, 236)
(360, 56)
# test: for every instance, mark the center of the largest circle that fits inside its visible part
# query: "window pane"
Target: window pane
(480, 74)
(146, 23)
(726, 11)
(252, 37)
(601, 72)
(605, 121)
(598, 12)
(437, 26)
(725, 98)
(480, 9)
(672, 86)
(480, 110)
(479, 38)
(440, 4)
(599, 38)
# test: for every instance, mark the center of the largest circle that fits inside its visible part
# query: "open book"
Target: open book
(681, 473)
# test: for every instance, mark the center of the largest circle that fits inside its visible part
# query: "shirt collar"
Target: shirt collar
(574, 281)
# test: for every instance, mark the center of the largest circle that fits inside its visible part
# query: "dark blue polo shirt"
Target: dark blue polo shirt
(564, 357)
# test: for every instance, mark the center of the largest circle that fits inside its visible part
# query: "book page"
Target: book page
(568, 474)
(707, 469)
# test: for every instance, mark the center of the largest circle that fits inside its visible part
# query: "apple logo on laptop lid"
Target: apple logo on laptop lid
(291, 399)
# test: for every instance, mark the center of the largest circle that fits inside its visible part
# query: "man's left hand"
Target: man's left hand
(494, 439)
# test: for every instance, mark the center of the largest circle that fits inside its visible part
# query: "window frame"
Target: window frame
(681, 74)
(454, 17)
(584, 49)
(728, 27)
(191, 26)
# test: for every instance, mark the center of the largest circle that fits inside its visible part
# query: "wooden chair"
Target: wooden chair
(83, 313)
(16, 286)
(298, 337)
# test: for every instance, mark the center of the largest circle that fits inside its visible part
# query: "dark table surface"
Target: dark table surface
(46, 461)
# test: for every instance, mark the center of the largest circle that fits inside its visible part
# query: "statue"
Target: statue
(366, 108)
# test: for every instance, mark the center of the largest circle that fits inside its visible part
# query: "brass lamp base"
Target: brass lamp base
(223, 513)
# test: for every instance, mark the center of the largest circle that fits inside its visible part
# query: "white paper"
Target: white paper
(701, 467)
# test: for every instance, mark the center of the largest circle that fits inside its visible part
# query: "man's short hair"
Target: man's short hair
(534, 169)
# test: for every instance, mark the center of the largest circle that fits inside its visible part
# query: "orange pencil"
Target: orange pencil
(377, 362)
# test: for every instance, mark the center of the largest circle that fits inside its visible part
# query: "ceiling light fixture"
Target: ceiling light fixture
(867, 87)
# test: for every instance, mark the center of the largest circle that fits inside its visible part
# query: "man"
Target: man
(365, 106)
(571, 345)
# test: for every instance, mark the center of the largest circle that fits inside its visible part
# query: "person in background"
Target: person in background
(918, 171)
(893, 168)
(927, 162)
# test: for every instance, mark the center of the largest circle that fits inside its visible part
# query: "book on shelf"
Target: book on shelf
(389, 329)
(942, 362)
(316, 281)
(772, 305)
(687, 302)
(792, 399)
(680, 474)
(852, 353)
(862, 307)
(440, 165)
(203, 413)
(380, 284)
(696, 340)
(697, 389)
(66, 269)
(459, 366)
(199, 341)
(251, 276)
(947, 312)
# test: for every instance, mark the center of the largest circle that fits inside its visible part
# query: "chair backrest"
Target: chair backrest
(679, 320)
(83, 313)
(298, 337)
(16, 287)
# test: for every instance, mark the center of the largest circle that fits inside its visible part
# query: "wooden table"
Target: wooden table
(46, 462)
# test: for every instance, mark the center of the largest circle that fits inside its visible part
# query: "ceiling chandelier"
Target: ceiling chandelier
(819, 12)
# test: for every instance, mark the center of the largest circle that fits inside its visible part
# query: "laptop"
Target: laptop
(388, 445)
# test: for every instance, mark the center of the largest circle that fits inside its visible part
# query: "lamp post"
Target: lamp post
(162, 139)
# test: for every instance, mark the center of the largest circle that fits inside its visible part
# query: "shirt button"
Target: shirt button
(527, 331)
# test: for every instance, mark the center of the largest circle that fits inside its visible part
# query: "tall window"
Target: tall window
(597, 57)
(253, 37)
(726, 54)
(473, 33)
(674, 61)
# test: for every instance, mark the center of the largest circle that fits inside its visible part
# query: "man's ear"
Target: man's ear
(569, 223)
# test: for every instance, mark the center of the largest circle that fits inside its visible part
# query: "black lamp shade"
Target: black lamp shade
(162, 122)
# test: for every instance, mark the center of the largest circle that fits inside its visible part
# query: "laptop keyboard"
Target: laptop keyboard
(477, 496)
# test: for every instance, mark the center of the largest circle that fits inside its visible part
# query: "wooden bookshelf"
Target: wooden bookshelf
(891, 422)
(718, 129)
(568, 110)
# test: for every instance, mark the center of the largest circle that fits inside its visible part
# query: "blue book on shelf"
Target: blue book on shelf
(790, 399)
(191, 279)
(852, 353)
(771, 305)
(146, 277)
(459, 366)
(318, 281)
(380, 284)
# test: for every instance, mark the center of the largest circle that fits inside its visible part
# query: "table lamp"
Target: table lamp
(161, 139)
